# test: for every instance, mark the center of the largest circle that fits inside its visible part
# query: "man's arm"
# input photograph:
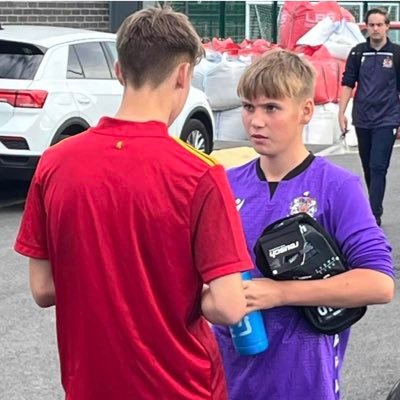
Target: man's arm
(41, 282)
(343, 101)
(349, 79)
(223, 301)
(355, 288)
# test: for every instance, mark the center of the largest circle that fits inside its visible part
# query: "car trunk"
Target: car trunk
(19, 63)
(19, 60)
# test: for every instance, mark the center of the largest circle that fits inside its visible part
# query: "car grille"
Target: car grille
(14, 143)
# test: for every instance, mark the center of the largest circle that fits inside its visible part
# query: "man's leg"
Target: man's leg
(364, 151)
(381, 151)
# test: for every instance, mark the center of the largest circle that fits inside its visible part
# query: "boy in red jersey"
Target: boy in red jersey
(123, 225)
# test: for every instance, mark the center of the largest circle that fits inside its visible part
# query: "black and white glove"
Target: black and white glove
(298, 247)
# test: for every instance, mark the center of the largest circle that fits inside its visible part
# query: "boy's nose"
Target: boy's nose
(257, 121)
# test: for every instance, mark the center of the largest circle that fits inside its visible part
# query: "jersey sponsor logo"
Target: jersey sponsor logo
(239, 203)
(283, 248)
(387, 63)
(304, 203)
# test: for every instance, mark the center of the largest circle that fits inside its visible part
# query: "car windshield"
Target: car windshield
(19, 60)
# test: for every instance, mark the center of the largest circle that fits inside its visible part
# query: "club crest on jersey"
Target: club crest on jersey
(304, 203)
(239, 203)
(387, 63)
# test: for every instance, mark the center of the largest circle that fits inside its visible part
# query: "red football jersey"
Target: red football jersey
(133, 222)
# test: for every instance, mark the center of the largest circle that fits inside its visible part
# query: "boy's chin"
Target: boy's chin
(266, 152)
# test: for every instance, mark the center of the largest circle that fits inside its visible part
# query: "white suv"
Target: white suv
(56, 82)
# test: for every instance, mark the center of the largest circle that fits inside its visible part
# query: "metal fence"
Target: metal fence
(256, 18)
(262, 17)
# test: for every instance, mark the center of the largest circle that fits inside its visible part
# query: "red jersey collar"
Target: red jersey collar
(120, 127)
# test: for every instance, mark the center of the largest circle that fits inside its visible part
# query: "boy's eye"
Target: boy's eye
(248, 107)
(271, 108)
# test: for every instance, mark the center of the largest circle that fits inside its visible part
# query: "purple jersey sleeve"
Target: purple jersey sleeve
(351, 222)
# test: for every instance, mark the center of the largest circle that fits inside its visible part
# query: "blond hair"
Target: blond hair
(152, 42)
(278, 74)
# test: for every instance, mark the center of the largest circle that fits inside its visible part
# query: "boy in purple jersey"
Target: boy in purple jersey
(300, 364)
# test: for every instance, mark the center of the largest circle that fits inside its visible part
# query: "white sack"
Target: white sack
(345, 37)
(228, 125)
(202, 69)
(327, 31)
(324, 126)
(338, 50)
(319, 34)
(220, 83)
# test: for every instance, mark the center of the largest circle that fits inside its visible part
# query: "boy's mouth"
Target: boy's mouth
(258, 136)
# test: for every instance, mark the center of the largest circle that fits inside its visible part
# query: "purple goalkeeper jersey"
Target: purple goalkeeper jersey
(300, 364)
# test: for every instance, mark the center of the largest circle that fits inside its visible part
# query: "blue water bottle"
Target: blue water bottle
(249, 336)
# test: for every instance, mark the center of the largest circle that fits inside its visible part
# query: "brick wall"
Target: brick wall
(82, 14)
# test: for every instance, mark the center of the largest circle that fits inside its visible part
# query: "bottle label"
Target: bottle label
(243, 328)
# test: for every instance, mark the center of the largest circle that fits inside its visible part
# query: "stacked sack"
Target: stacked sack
(218, 75)
(324, 33)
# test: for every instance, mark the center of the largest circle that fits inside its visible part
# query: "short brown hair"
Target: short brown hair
(152, 42)
(377, 10)
(278, 74)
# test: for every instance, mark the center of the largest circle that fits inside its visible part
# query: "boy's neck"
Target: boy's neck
(145, 104)
(275, 168)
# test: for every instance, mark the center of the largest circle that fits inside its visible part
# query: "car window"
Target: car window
(93, 60)
(112, 47)
(111, 54)
(74, 69)
(19, 60)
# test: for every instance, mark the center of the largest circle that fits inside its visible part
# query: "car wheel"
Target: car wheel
(195, 133)
(395, 392)
(67, 131)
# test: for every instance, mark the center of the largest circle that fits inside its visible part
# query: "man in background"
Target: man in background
(374, 67)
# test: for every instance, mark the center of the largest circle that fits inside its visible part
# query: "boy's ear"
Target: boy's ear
(118, 73)
(308, 111)
(184, 75)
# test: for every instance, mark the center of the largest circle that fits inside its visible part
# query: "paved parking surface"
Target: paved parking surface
(28, 353)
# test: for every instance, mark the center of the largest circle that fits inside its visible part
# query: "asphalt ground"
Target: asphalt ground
(29, 367)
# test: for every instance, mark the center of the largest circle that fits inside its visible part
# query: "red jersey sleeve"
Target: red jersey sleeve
(32, 240)
(217, 235)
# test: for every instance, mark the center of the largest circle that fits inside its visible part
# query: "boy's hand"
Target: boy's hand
(262, 293)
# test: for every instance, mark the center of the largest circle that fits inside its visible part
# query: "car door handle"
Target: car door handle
(83, 100)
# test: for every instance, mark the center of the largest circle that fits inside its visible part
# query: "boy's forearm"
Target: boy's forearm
(41, 282)
(223, 301)
(46, 301)
(355, 288)
(213, 313)
(208, 307)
